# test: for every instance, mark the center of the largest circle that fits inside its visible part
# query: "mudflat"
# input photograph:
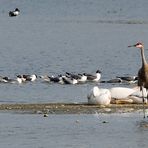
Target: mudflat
(71, 108)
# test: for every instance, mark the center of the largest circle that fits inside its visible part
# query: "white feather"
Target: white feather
(121, 92)
(137, 96)
(99, 96)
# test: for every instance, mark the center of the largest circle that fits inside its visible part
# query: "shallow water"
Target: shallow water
(57, 36)
(64, 131)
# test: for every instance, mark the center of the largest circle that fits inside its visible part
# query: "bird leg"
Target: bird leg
(141, 88)
(147, 94)
(147, 97)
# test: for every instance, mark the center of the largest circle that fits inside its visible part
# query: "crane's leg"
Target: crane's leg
(147, 97)
(141, 88)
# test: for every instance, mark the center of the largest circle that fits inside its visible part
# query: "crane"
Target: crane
(142, 73)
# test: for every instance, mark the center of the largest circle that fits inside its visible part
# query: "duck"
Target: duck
(53, 79)
(31, 78)
(20, 79)
(69, 80)
(81, 78)
(99, 96)
(128, 79)
(75, 76)
(56, 79)
(45, 78)
(3, 79)
(93, 77)
(16, 12)
(9, 80)
(116, 80)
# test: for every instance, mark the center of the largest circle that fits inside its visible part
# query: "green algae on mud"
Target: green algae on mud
(71, 108)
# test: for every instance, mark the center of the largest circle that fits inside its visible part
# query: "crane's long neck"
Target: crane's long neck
(143, 56)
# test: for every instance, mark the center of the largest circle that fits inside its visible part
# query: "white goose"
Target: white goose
(99, 96)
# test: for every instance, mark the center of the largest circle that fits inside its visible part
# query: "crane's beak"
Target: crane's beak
(132, 46)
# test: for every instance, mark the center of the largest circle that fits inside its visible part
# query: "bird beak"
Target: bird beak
(131, 45)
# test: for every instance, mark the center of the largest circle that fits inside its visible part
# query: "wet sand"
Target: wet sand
(71, 108)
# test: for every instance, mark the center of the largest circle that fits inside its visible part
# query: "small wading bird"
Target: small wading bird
(142, 73)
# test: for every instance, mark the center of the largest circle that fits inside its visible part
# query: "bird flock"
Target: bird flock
(68, 78)
(96, 95)
(71, 78)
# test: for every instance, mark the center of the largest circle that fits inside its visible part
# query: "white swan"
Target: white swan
(99, 96)
(137, 96)
(129, 95)
(122, 92)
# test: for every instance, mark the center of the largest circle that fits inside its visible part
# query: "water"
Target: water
(64, 131)
(56, 36)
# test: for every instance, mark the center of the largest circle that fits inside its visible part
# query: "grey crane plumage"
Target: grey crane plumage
(142, 73)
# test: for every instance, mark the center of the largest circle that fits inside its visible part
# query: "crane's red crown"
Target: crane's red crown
(138, 45)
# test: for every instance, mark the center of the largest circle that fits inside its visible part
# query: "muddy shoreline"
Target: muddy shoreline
(70, 108)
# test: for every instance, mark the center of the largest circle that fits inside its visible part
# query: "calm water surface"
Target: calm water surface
(71, 131)
(57, 36)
